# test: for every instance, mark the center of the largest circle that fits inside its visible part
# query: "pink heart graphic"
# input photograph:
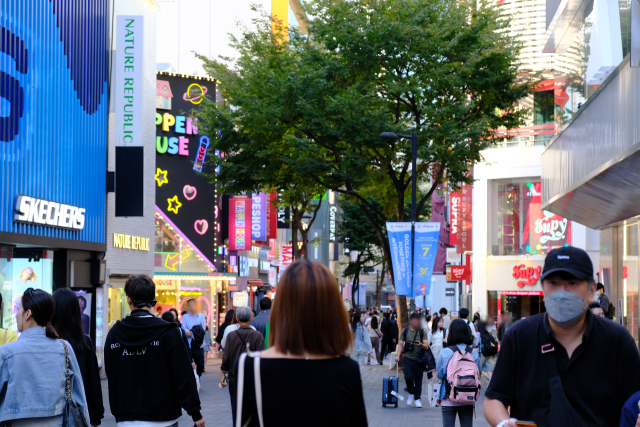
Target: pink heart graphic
(189, 192)
(201, 226)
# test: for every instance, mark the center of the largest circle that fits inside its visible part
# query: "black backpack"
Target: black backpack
(489, 345)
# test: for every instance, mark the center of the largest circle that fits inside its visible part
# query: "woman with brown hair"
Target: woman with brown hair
(308, 337)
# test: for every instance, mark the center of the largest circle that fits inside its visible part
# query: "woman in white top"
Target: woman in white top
(436, 336)
(235, 325)
(374, 333)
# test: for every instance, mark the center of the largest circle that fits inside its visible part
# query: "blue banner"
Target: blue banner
(400, 243)
(362, 295)
(425, 247)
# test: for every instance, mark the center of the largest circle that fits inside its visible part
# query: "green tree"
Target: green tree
(317, 103)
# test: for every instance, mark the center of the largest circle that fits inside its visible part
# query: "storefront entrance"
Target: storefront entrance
(520, 304)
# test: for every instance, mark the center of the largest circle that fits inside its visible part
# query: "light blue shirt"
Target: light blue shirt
(443, 360)
(189, 321)
(33, 371)
(362, 339)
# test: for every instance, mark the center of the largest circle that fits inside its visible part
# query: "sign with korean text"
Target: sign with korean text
(425, 247)
(259, 217)
(464, 238)
(240, 224)
(400, 244)
(128, 84)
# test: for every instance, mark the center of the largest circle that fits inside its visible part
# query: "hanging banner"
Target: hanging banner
(400, 244)
(286, 256)
(272, 216)
(240, 224)
(362, 295)
(259, 216)
(465, 220)
(129, 81)
(454, 213)
(283, 217)
(425, 249)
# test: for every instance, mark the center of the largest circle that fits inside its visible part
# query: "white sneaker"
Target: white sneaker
(410, 400)
(418, 404)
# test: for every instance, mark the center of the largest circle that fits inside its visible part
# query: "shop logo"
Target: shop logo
(552, 229)
(30, 210)
(529, 274)
(332, 223)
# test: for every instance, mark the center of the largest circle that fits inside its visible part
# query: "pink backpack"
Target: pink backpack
(463, 377)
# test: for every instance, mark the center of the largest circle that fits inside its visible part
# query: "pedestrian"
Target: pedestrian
(236, 345)
(33, 369)
(362, 341)
(630, 416)
(159, 311)
(169, 316)
(68, 325)
(603, 300)
(175, 312)
(460, 341)
(436, 336)
(476, 319)
(206, 345)
(427, 320)
(228, 318)
(367, 320)
(141, 347)
(570, 340)
(229, 329)
(308, 339)
(394, 332)
(374, 335)
(464, 315)
(446, 319)
(487, 338)
(194, 324)
(596, 309)
(261, 321)
(506, 321)
(386, 340)
(411, 340)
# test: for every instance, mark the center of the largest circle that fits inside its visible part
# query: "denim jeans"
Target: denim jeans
(465, 413)
(413, 374)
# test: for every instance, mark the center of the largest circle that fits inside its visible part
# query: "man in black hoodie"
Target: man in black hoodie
(141, 347)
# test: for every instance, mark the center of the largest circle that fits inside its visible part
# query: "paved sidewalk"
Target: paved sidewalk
(216, 407)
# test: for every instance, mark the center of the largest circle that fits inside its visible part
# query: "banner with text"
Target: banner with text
(240, 224)
(425, 249)
(128, 81)
(400, 244)
(465, 220)
(362, 295)
(272, 216)
(259, 217)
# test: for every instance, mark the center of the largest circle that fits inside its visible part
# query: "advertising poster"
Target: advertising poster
(84, 299)
(425, 250)
(272, 216)
(400, 243)
(543, 230)
(362, 294)
(259, 217)
(240, 224)
(18, 275)
(454, 209)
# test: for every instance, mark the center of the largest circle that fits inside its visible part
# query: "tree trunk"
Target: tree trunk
(354, 287)
(295, 224)
(379, 289)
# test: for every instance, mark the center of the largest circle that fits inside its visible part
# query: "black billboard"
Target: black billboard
(184, 195)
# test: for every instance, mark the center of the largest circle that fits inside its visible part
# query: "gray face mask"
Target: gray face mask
(564, 306)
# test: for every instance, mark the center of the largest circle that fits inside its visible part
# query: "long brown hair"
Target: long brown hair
(308, 315)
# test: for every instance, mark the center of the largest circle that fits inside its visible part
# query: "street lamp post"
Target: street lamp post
(414, 156)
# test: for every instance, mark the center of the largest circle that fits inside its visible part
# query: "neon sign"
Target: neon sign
(201, 226)
(162, 180)
(202, 153)
(189, 192)
(174, 209)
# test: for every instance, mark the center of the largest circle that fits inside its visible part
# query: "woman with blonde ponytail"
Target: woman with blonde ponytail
(37, 370)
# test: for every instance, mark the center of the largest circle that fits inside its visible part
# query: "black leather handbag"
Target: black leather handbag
(72, 416)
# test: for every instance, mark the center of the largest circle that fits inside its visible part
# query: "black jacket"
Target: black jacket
(142, 347)
(221, 332)
(385, 328)
(88, 363)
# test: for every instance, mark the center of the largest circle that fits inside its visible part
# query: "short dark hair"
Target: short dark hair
(43, 307)
(593, 305)
(599, 286)
(415, 315)
(464, 313)
(443, 311)
(265, 303)
(427, 317)
(140, 288)
(459, 333)
(189, 300)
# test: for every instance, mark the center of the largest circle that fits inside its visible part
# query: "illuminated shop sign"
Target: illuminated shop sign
(201, 155)
(126, 241)
(333, 211)
(31, 210)
(528, 275)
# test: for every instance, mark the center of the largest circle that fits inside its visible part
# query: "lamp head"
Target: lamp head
(388, 135)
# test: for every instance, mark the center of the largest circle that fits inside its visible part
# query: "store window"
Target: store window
(543, 107)
(630, 272)
(519, 226)
(520, 304)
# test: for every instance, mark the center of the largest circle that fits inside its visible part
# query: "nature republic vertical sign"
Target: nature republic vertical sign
(128, 85)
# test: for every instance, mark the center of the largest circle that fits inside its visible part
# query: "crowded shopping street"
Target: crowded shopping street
(284, 213)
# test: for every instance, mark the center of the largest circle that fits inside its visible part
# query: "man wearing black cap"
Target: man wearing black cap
(545, 369)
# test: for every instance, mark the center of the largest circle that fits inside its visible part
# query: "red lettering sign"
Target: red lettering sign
(458, 272)
(529, 275)
(464, 238)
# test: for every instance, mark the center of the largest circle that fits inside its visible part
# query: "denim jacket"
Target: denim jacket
(362, 338)
(443, 360)
(32, 374)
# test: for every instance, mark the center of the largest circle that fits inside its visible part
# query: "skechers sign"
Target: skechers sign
(30, 210)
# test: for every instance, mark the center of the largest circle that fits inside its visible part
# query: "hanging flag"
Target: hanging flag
(259, 216)
(362, 294)
(272, 216)
(400, 244)
(425, 250)
(240, 223)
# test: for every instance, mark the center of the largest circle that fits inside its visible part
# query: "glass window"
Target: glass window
(519, 226)
(543, 107)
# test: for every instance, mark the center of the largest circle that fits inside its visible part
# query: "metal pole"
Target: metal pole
(414, 156)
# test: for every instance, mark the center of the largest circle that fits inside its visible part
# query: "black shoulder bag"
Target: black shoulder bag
(561, 413)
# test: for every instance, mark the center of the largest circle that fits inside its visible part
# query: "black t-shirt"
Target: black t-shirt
(604, 371)
(299, 392)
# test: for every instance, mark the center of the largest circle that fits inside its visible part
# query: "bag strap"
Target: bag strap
(240, 393)
(258, 387)
(244, 343)
(67, 394)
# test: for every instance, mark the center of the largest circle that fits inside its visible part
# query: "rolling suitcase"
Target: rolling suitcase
(390, 384)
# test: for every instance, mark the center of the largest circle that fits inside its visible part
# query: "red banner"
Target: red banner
(272, 252)
(454, 211)
(464, 240)
(458, 272)
(240, 224)
(286, 256)
(272, 217)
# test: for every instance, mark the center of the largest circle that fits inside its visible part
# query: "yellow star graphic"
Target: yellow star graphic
(162, 180)
(175, 208)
